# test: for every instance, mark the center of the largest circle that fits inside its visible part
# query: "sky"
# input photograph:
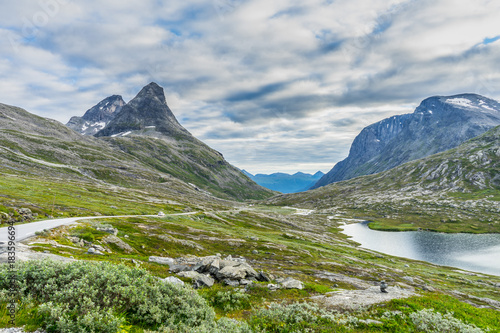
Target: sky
(275, 86)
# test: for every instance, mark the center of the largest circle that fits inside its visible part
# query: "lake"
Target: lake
(479, 253)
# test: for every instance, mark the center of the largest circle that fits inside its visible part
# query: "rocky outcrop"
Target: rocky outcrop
(148, 110)
(438, 124)
(97, 117)
(205, 271)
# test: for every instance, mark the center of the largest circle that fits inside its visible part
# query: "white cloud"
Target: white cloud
(274, 85)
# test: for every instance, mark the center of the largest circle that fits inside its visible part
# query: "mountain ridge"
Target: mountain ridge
(439, 123)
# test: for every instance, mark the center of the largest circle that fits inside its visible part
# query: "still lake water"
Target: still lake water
(479, 253)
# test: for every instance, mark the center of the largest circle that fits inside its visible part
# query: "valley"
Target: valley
(230, 254)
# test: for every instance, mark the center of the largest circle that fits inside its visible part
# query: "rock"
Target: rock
(263, 277)
(245, 282)
(290, 283)
(255, 252)
(91, 250)
(181, 268)
(189, 274)
(271, 286)
(408, 278)
(426, 287)
(231, 283)
(237, 272)
(109, 230)
(162, 260)
(254, 238)
(99, 248)
(112, 239)
(203, 281)
(174, 280)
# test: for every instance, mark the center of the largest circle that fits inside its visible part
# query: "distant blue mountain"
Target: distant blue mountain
(285, 183)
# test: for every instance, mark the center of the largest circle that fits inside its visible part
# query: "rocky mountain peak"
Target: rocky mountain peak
(146, 114)
(439, 123)
(97, 117)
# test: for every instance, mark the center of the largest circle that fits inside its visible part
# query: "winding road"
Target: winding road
(24, 231)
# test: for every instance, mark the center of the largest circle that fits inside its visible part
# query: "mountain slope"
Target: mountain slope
(147, 129)
(456, 190)
(286, 183)
(97, 117)
(438, 124)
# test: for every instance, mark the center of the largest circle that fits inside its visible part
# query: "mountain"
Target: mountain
(147, 129)
(439, 123)
(458, 188)
(33, 146)
(97, 117)
(286, 183)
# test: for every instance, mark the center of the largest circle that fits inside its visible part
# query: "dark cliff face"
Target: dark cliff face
(97, 117)
(148, 109)
(439, 123)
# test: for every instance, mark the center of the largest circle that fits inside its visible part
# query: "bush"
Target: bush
(100, 297)
(228, 301)
(299, 317)
(427, 320)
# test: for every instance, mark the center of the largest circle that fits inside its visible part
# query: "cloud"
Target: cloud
(278, 84)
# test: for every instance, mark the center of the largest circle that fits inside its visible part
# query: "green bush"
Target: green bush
(228, 301)
(427, 320)
(101, 297)
(299, 317)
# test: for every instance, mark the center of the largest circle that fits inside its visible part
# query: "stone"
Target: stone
(291, 283)
(180, 268)
(370, 321)
(162, 260)
(108, 230)
(263, 277)
(203, 281)
(383, 287)
(426, 287)
(255, 252)
(112, 239)
(91, 250)
(189, 274)
(254, 238)
(231, 283)
(408, 278)
(237, 272)
(174, 280)
(245, 282)
(271, 286)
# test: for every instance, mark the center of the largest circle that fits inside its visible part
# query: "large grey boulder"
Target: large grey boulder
(199, 280)
(162, 260)
(237, 272)
(291, 283)
(174, 280)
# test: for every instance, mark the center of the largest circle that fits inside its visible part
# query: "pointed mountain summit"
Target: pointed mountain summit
(439, 123)
(147, 129)
(97, 117)
(147, 112)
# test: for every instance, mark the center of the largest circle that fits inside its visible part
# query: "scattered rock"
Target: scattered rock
(290, 283)
(428, 288)
(231, 283)
(162, 260)
(174, 280)
(112, 239)
(109, 230)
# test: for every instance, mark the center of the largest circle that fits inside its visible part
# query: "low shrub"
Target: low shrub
(101, 297)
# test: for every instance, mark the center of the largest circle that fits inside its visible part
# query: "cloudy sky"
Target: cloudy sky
(282, 85)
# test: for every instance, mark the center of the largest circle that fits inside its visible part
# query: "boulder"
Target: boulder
(263, 277)
(231, 283)
(199, 280)
(118, 242)
(237, 272)
(174, 280)
(162, 260)
(109, 230)
(290, 283)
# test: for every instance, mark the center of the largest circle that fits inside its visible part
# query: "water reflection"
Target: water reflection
(480, 253)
